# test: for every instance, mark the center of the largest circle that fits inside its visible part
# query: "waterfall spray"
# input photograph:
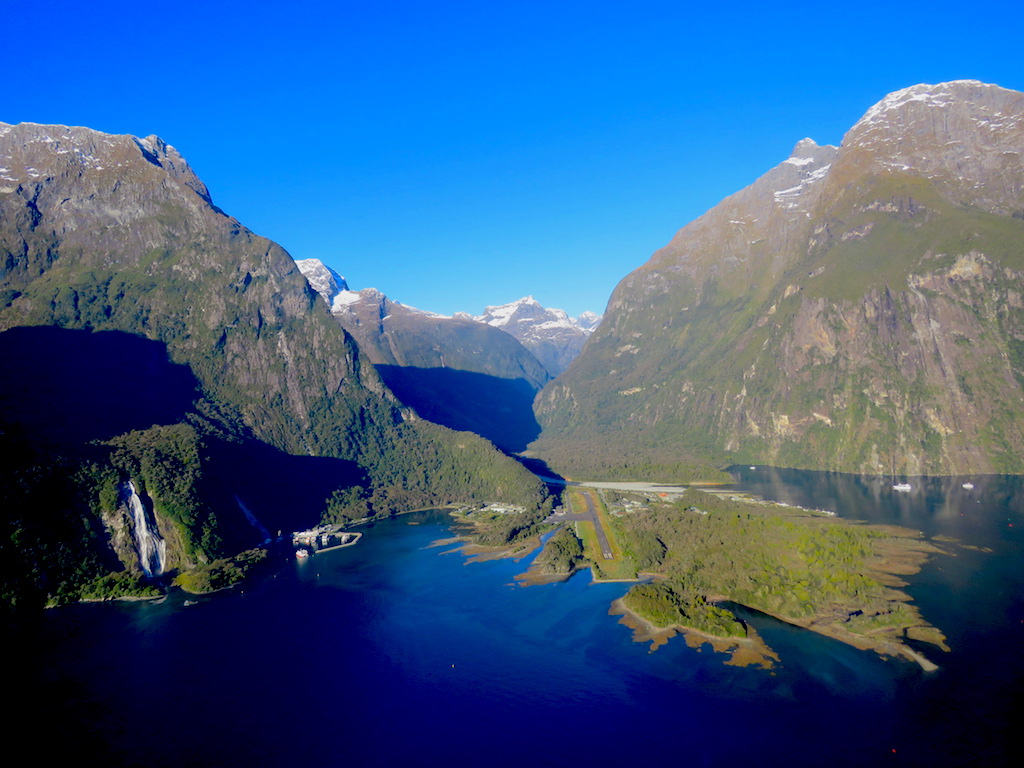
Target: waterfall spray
(151, 547)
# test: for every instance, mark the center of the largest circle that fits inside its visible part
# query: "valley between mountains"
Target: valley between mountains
(177, 390)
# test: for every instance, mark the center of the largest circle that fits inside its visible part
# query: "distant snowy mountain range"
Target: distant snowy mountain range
(553, 337)
(469, 372)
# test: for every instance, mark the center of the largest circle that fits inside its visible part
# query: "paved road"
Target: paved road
(591, 515)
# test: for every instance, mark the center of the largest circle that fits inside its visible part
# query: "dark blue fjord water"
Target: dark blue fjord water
(396, 653)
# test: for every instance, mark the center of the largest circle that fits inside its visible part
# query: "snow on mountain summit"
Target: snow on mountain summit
(527, 312)
(322, 279)
(964, 136)
(553, 336)
(940, 95)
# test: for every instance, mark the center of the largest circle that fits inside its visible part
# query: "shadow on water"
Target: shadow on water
(66, 387)
(465, 654)
(498, 409)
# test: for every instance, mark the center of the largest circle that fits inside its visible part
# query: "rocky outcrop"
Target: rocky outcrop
(117, 233)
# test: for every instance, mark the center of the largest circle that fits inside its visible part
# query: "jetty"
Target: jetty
(324, 538)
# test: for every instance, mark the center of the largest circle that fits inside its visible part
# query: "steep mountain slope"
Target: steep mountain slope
(856, 309)
(554, 337)
(116, 236)
(451, 370)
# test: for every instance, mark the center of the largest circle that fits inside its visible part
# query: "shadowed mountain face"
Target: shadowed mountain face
(65, 387)
(136, 312)
(117, 233)
(856, 308)
(72, 387)
(282, 491)
(499, 409)
(391, 333)
(454, 371)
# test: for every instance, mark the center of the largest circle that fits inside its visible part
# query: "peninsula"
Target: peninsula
(698, 551)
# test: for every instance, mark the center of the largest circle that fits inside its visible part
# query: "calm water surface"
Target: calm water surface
(396, 653)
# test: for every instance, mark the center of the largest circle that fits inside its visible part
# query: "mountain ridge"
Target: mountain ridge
(853, 309)
(455, 371)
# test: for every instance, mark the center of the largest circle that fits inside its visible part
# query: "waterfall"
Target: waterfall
(151, 547)
(253, 520)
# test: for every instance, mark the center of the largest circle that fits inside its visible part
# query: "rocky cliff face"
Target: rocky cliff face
(856, 308)
(392, 333)
(117, 233)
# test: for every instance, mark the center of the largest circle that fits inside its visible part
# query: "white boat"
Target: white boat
(301, 553)
(902, 487)
(968, 486)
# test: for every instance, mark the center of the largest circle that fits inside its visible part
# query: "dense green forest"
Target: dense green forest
(67, 534)
(499, 529)
(50, 545)
(798, 565)
(221, 573)
(563, 553)
(623, 459)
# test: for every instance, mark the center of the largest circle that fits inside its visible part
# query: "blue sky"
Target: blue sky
(459, 154)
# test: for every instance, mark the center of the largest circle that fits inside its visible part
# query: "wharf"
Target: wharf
(324, 538)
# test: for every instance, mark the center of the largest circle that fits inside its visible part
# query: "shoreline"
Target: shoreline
(481, 553)
(903, 556)
(744, 651)
(121, 598)
(645, 630)
(358, 535)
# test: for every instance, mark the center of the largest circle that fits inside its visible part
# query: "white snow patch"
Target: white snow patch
(789, 196)
(344, 299)
(938, 95)
(560, 323)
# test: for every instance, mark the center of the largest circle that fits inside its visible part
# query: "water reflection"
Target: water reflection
(937, 506)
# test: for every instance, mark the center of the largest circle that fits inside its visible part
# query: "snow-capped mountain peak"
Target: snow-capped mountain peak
(553, 336)
(529, 311)
(501, 315)
(588, 320)
(938, 95)
(323, 279)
